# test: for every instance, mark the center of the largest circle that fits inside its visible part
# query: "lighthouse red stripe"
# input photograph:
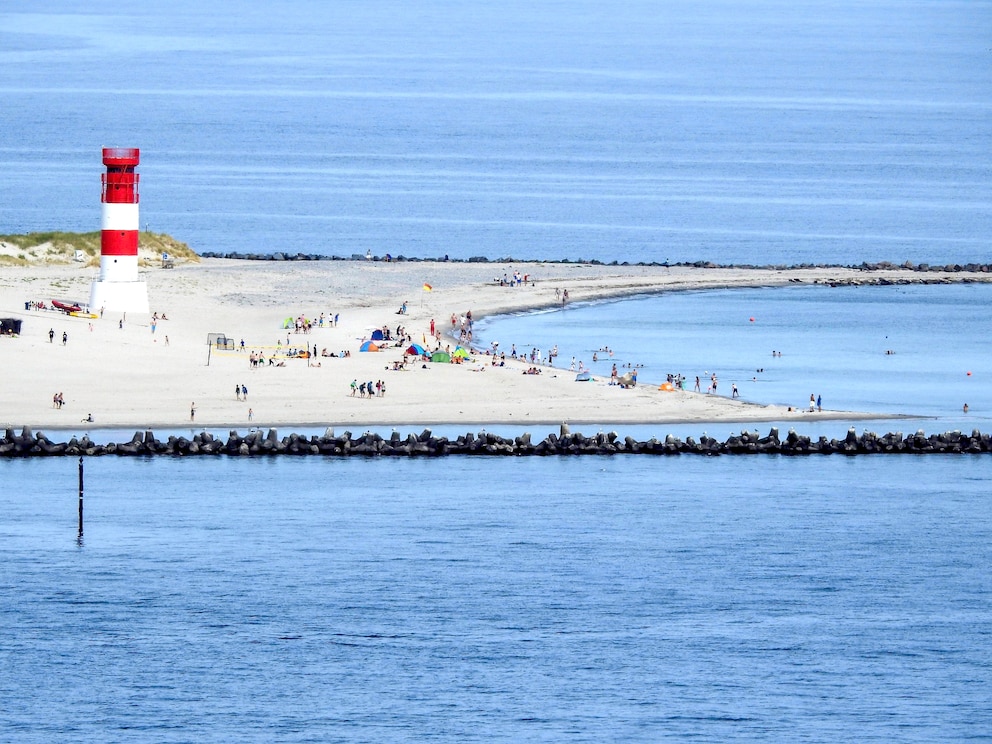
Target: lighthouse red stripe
(119, 243)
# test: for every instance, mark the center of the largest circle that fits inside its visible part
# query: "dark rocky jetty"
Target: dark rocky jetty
(257, 444)
(920, 269)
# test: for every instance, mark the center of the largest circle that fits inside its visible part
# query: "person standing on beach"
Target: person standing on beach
(819, 404)
(192, 411)
(51, 335)
(237, 390)
(812, 402)
(733, 391)
(65, 337)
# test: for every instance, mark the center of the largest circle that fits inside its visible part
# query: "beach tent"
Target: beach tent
(289, 323)
(10, 326)
(368, 346)
(460, 353)
(377, 335)
(415, 349)
(441, 356)
(666, 386)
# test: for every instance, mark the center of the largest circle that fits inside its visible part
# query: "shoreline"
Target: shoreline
(126, 374)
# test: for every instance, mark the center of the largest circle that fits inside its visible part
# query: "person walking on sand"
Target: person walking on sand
(251, 414)
(237, 390)
(51, 335)
(65, 337)
(733, 391)
(192, 411)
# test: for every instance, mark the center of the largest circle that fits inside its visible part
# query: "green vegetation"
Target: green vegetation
(61, 247)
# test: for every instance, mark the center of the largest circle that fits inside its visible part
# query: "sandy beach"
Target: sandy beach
(125, 374)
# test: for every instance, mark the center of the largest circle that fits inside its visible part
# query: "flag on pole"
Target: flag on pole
(428, 288)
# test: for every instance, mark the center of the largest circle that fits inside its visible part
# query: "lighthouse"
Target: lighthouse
(118, 288)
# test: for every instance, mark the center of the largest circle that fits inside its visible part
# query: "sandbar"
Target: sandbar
(118, 370)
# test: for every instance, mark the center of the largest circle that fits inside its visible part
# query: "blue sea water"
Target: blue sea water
(918, 350)
(594, 599)
(588, 599)
(756, 132)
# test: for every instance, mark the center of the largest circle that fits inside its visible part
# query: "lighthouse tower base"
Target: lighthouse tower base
(124, 297)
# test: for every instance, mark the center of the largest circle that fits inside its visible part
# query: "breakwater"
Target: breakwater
(257, 443)
(919, 268)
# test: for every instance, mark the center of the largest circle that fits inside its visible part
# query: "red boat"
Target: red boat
(66, 307)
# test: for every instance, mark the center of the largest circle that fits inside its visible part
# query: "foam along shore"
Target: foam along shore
(133, 371)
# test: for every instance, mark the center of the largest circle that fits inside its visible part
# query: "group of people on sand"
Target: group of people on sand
(368, 389)
(514, 280)
(57, 400)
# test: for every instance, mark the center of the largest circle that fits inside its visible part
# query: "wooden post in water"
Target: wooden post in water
(80, 496)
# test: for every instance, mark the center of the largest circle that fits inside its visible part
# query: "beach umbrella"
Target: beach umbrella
(415, 349)
(441, 356)
(368, 346)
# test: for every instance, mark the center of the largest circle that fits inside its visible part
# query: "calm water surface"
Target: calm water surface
(590, 599)
(833, 342)
(758, 132)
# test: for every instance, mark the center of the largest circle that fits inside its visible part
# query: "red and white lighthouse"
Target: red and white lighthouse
(118, 287)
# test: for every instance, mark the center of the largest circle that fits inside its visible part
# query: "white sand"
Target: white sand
(131, 378)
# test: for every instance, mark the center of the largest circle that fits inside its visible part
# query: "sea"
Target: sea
(613, 598)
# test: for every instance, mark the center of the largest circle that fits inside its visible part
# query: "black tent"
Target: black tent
(10, 326)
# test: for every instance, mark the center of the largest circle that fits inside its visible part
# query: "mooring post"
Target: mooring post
(80, 496)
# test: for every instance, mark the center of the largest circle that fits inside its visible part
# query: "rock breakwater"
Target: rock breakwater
(258, 444)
